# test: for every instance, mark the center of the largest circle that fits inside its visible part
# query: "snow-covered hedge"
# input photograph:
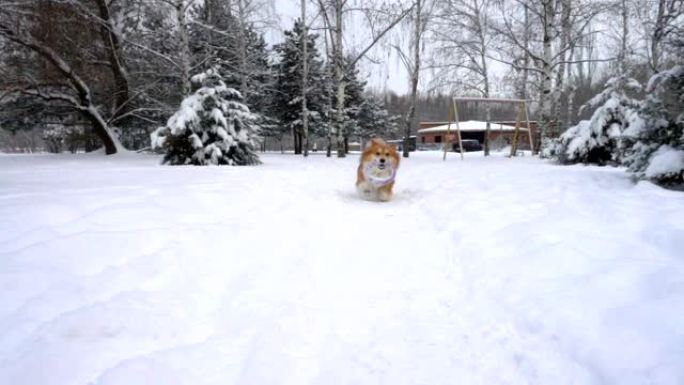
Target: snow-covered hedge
(212, 126)
(598, 140)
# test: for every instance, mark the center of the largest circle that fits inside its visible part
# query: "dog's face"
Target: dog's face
(383, 154)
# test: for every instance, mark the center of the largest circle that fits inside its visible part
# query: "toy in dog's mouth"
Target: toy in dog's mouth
(380, 174)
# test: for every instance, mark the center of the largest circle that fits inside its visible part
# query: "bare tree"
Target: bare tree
(565, 42)
(624, 36)
(550, 54)
(463, 43)
(658, 23)
(305, 74)
(333, 12)
(117, 63)
(182, 7)
(23, 24)
(420, 23)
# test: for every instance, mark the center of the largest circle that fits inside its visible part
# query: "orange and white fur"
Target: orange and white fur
(377, 169)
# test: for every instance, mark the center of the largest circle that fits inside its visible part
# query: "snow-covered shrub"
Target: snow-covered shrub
(212, 126)
(598, 140)
(133, 137)
(550, 147)
(656, 134)
(60, 137)
(54, 139)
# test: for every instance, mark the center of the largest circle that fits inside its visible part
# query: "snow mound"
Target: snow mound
(665, 162)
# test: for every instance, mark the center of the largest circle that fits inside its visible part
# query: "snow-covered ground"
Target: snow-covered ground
(119, 271)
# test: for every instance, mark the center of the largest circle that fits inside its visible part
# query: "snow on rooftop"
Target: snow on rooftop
(469, 125)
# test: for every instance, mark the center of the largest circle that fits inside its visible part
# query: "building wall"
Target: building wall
(503, 137)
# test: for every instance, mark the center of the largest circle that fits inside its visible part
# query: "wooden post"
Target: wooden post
(458, 130)
(453, 113)
(514, 144)
(529, 128)
(450, 117)
(522, 109)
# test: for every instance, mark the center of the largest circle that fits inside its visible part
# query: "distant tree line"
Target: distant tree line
(117, 70)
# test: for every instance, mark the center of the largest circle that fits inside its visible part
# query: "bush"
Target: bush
(656, 134)
(598, 140)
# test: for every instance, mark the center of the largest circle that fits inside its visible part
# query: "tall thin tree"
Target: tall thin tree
(305, 74)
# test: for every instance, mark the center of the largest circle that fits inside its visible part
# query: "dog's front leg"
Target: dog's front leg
(364, 188)
(384, 195)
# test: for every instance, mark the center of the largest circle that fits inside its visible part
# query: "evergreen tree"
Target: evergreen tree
(212, 126)
(259, 75)
(287, 102)
(214, 35)
(374, 120)
(657, 131)
(598, 140)
(218, 37)
(353, 100)
(258, 78)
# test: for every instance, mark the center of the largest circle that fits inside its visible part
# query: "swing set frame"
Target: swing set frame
(522, 114)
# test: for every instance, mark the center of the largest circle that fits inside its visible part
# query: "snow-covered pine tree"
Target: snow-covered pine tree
(287, 102)
(657, 131)
(598, 140)
(374, 120)
(212, 126)
(353, 99)
(218, 34)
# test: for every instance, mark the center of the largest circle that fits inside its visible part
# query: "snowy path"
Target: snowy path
(490, 271)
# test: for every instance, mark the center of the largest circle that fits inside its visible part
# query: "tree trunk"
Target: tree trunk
(622, 56)
(570, 115)
(297, 137)
(526, 59)
(305, 74)
(84, 103)
(328, 147)
(184, 53)
(415, 75)
(242, 48)
(572, 89)
(485, 78)
(657, 37)
(560, 74)
(101, 130)
(339, 78)
(329, 73)
(546, 94)
(117, 64)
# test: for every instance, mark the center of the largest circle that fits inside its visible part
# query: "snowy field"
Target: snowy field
(118, 271)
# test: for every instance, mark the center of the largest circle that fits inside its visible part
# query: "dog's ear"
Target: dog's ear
(373, 141)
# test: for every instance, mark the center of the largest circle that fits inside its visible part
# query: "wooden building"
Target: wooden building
(499, 132)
